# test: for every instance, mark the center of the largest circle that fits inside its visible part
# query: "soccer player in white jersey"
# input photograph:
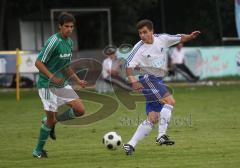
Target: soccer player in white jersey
(148, 56)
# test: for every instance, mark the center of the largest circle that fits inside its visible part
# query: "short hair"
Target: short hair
(109, 50)
(65, 17)
(145, 22)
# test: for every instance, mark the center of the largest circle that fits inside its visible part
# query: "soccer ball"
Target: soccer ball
(112, 140)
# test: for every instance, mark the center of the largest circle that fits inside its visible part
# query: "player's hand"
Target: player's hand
(137, 86)
(195, 34)
(57, 81)
(82, 83)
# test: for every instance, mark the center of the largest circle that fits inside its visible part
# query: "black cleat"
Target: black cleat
(164, 140)
(42, 154)
(129, 149)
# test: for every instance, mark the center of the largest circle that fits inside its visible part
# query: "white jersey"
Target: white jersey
(108, 65)
(177, 56)
(151, 58)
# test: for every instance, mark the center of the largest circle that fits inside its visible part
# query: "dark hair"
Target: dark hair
(65, 17)
(145, 22)
(109, 50)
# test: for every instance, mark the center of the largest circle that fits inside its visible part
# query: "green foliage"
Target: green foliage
(180, 17)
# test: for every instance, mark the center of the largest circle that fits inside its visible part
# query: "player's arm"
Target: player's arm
(189, 37)
(44, 56)
(131, 77)
(132, 62)
(73, 75)
(43, 69)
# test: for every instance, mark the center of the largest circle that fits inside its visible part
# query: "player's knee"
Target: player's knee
(170, 102)
(51, 121)
(79, 111)
(153, 119)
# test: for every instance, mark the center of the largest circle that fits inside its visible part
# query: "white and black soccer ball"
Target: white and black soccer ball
(112, 140)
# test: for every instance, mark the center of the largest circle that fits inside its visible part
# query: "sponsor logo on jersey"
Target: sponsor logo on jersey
(65, 56)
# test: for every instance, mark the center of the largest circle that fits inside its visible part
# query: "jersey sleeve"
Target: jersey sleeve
(169, 40)
(132, 60)
(106, 65)
(105, 68)
(48, 49)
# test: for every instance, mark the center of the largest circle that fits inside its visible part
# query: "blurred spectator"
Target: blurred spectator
(111, 68)
(177, 64)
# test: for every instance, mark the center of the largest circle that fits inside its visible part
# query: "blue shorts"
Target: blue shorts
(154, 90)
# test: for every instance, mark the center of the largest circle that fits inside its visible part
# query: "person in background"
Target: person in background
(178, 63)
(111, 68)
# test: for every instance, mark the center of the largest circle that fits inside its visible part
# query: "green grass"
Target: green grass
(205, 125)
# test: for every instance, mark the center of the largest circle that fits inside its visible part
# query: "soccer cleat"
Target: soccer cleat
(52, 132)
(164, 140)
(129, 149)
(41, 154)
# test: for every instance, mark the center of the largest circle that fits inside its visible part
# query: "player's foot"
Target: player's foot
(164, 140)
(52, 132)
(41, 154)
(129, 149)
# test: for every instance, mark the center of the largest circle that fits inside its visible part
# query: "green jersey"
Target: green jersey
(55, 55)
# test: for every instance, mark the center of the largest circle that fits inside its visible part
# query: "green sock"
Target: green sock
(44, 119)
(67, 115)
(44, 132)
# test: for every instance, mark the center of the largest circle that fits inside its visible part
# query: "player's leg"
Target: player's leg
(146, 126)
(165, 116)
(69, 96)
(142, 131)
(45, 129)
(49, 101)
(77, 109)
(164, 103)
(52, 134)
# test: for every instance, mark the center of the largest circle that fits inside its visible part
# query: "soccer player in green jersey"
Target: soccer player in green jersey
(53, 89)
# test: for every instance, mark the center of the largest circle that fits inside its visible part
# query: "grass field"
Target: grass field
(205, 126)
